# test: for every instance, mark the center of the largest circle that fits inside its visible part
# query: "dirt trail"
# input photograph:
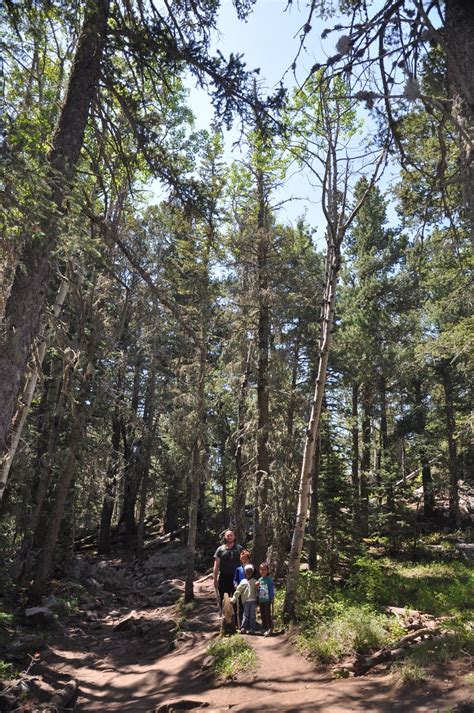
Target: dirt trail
(130, 678)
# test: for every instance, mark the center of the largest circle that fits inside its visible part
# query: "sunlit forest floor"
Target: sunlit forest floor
(131, 645)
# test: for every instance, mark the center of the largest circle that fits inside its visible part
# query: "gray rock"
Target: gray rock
(40, 615)
(49, 601)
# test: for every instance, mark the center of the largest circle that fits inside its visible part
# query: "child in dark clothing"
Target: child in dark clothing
(266, 594)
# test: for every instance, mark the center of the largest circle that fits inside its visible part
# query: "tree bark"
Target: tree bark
(104, 540)
(365, 460)
(239, 493)
(132, 450)
(459, 26)
(314, 509)
(30, 387)
(197, 468)
(29, 290)
(145, 460)
(446, 379)
(68, 468)
(355, 459)
(327, 320)
(261, 512)
(427, 481)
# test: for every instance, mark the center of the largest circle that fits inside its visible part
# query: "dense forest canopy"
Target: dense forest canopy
(196, 357)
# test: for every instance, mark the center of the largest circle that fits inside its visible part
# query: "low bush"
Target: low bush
(231, 656)
(348, 630)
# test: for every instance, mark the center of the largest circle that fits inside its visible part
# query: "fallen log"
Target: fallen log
(401, 648)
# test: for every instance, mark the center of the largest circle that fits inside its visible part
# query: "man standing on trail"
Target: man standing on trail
(226, 561)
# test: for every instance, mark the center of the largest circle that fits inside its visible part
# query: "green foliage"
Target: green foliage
(336, 622)
(355, 629)
(437, 588)
(6, 670)
(409, 671)
(457, 643)
(231, 656)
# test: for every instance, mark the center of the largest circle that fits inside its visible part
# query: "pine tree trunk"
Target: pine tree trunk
(261, 514)
(131, 476)
(459, 28)
(67, 471)
(104, 540)
(446, 379)
(145, 461)
(239, 493)
(196, 474)
(355, 459)
(314, 509)
(327, 320)
(427, 480)
(30, 387)
(27, 298)
(365, 460)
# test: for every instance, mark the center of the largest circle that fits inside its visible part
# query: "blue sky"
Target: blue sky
(270, 40)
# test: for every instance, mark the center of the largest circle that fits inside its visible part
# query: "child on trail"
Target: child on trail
(247, 591)
(266, 594)
(238, 577)
(239, 572)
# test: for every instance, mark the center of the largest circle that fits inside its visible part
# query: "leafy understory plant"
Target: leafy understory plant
(231, 656)
(409, 671)
(6, 670)
(352, 630)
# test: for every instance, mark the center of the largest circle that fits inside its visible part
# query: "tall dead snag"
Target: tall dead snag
(199, 456)
(327, 116)
(238, 507)
(261, 511)
(327, 320)
(28, 295)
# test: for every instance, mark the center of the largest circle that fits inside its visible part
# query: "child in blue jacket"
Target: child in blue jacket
(266, 594)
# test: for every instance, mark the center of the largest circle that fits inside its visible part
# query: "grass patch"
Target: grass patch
(457, 645)
(409, 671)
(232, 655)
(438, 588)
(355, 629)
(343, 620)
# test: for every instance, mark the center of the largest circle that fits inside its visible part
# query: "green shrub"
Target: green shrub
(6, 670)
(232, 655)
(409, 671)
(351, 629)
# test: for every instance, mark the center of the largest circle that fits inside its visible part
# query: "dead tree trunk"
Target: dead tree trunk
(239, 493)
(327, 320)
(261, 511)
(314, 509)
